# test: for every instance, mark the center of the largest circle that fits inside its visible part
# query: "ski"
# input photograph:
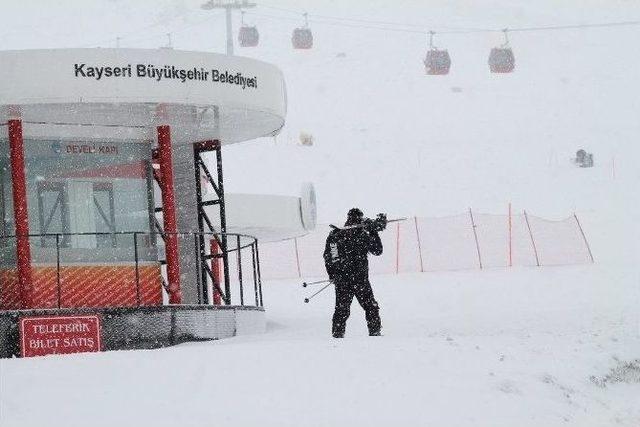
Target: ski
(335, 227)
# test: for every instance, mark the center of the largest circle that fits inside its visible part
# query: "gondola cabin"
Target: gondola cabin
(248, 36)
(502, 60)
(302, 38)
(437, 62)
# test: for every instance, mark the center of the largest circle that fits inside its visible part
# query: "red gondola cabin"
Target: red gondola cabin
(248, 36)
(437, 62)
(302, 38)
(502, 60)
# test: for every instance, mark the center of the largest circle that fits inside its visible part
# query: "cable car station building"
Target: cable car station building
(102, 203)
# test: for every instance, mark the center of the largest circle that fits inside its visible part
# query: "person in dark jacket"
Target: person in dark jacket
(345, 257)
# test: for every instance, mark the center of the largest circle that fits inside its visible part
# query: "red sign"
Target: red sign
(40, 336)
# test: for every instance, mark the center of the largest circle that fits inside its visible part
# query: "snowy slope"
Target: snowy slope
(497, 349)
(510, 347)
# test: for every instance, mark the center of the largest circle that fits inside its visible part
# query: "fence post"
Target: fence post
(398, 247)
(475, 234)
(295, 244)
(584, 237)
(255, 272)
(135, 256)
(533, 242)
(613, 167)
(58, 270)
(415, 219)
(510, 238)
(239, 259)
(259, 275)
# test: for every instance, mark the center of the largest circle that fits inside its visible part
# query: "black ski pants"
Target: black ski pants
(345, 291)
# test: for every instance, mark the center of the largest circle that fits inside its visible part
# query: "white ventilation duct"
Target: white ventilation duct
(269, 217)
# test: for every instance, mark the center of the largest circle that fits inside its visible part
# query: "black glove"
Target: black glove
(376, 225)
(380, 222)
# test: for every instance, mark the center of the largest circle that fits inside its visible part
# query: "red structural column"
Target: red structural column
(20, 213)
(215, 269)
(169, 213)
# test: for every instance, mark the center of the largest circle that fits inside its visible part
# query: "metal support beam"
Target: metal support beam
(203, 291)
(221, 232)
(223, 227)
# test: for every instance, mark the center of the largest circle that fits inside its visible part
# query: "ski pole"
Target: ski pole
(305, 284)
(306, 300)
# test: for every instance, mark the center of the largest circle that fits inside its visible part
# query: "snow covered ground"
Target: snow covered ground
(460, 349)
(543, 347)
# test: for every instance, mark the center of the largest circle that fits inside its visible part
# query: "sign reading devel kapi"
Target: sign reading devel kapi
(40, 336)
(165, 72)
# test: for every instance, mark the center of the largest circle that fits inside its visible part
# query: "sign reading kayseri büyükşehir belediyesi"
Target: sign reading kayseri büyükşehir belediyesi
(205, 95)
(163, 73)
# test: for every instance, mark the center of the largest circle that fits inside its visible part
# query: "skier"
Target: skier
(345, 257)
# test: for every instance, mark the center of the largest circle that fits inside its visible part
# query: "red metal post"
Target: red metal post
(510, 239)
(415, 219)
(169, 213)
(397, 247)
(215, 269)
(20, 213)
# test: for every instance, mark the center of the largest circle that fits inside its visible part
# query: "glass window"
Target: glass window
(87, 191)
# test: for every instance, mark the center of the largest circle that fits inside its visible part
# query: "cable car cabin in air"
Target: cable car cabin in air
(502, 59)
(302, 37)
(437, 61)
(248, 36)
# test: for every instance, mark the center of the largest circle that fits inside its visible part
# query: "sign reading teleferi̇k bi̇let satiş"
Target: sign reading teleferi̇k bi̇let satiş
(164, 73)
(40, 336)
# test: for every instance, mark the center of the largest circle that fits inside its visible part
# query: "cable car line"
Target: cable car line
(335, 20)
(577, 26)
(316, 21)
(358, 20)
(547, 28)
(128, 37)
